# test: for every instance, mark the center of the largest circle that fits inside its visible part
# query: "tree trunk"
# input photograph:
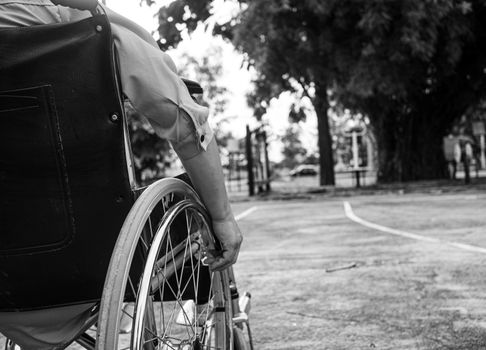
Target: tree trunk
(410, 148)
(326, 161)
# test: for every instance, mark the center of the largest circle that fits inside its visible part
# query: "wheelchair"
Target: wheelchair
(75, 228)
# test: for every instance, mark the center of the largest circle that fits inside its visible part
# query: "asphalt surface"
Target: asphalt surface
(322, 281)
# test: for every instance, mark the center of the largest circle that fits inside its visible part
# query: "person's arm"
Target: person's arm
(151, 83)
(206, 174)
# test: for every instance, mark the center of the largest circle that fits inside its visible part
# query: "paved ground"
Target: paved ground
(403, 293)
(322, 281)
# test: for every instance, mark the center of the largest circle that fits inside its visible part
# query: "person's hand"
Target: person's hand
(229, 235)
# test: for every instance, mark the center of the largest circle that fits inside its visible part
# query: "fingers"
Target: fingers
(218, 261)
(230, 238)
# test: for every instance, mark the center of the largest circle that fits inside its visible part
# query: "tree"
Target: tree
(420, 66)
(292, 150)
(412, 67)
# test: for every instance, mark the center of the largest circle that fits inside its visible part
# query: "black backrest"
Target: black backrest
(64, 186)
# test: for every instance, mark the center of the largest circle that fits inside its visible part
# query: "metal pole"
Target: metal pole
(238, 172)
(355, 149)
(483, 158)
(249, 162)
(267, 161)
(370, 153)
(230, 167)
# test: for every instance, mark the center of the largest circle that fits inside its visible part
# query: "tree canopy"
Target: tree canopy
(411, 66)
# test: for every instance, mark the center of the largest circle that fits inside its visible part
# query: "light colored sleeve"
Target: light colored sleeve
(150, 81)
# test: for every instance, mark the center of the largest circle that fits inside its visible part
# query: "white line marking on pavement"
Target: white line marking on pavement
(348, 210)
(468, 247)
(350, 214)
(246, 213)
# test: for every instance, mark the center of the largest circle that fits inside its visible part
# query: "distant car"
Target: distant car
(303, 170)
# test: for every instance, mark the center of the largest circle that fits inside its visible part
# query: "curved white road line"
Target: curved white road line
(246, 213)
(348, 210)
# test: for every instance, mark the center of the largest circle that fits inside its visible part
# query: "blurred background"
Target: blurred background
(307, 94)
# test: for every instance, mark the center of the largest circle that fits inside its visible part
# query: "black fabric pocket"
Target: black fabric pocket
(33, 177)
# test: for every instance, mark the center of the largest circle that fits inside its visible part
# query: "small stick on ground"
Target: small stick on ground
(344, 267)
(305, 315)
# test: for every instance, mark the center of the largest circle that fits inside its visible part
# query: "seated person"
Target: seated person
(151, 84)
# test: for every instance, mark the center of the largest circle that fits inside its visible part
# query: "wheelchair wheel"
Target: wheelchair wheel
(157, 283)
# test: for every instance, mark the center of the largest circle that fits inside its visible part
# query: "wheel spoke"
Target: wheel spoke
(171, 268)
(174, 308)
(181, 292)
(162, 292)
(144, 243)
(132, 287)
(173, 259)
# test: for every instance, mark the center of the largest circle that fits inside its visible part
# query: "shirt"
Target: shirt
(148, 76)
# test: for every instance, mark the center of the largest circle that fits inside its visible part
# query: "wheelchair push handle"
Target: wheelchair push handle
(89, 5)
